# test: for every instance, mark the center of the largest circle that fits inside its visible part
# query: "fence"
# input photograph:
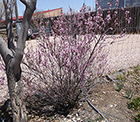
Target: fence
(124, 53)
(133, 26)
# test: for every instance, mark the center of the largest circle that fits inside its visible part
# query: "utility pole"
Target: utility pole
(16, 10)
(18, 24)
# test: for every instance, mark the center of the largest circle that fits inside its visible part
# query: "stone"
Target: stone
(113, 76)
(77, 115)
(78, 119)
(104, 92)
(69, 116)
(103, 121)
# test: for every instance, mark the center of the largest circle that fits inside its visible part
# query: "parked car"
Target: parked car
(31, 33)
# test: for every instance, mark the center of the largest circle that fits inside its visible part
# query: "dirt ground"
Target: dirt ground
(113, 104)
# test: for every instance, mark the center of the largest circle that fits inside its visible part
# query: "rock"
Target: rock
(77, 115)
(114, 76)
(123, 71)
(97, 80)
(104, 92)
(103, 121)
(115, 105)
(123, 93)
(73, 119)
(78, 119)
(69, 121)
(69, 116)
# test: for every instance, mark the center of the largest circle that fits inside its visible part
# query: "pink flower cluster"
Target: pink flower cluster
(67, 62)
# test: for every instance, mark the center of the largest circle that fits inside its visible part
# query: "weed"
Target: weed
(129, 93)
(119, 86)
(136, 69)
(89, 120)
(99, 118)
(121, 78)
(131, 67)
(130, 73)
(135, 104)
(97, 95)
(29, 117)
(137, 117)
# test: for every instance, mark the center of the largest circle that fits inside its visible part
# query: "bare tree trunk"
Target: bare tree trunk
(16, 95)
(12, 57)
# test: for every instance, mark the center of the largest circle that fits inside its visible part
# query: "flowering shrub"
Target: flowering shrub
(67, 63)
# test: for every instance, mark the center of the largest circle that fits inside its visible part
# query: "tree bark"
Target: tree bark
(12, 57)
(16, 95)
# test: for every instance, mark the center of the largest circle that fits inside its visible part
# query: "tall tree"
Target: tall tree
(1, 10)
(12, 56)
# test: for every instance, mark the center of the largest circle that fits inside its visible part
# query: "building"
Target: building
(50, 13)
(122, 3)
(44, 14)
(131, 3)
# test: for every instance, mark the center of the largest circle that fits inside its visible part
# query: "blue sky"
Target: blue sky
(53, 4)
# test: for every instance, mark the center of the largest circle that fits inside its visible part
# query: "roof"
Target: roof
(42, 12)
(21, 17)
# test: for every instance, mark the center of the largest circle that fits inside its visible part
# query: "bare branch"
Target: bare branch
(9, 23)
(4, 51)
(28, 3)
(30, 7)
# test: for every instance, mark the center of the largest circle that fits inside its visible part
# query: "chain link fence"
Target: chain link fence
(124, 52)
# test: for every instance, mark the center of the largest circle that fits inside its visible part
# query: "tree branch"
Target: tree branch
(30, 7)
(5, 52)
(9, 23)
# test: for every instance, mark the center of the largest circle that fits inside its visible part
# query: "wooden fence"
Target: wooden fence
(133, 26)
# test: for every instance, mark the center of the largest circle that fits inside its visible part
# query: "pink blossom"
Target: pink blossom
(122, 8)
(108, 18)
(117, 3)
(99, 8)
(74, 54)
